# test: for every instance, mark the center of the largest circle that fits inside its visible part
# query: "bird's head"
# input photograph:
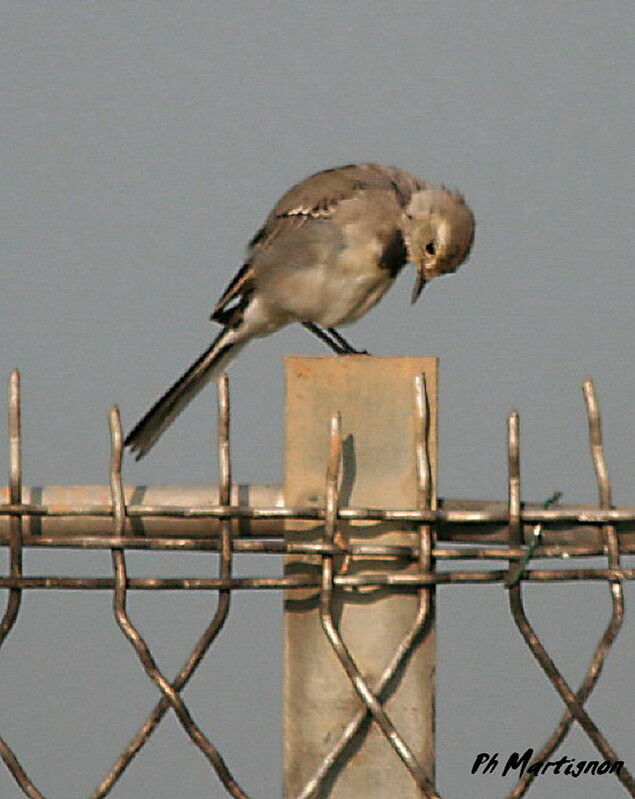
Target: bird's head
(438, 230)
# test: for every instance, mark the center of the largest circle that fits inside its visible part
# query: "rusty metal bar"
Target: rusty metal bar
(604, 486)
(617, 595)
(513, 482)
(272, 547)
(172, 696)
(78, 502)
(373, 705)
(291, 582)
(269, 547)
(214, 627)
(424, 621)
(72, 512)
(537, 649)
(15, 561)
(15, 498)
(19, 774)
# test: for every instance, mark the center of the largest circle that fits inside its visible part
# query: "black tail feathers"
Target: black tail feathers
(210, 364)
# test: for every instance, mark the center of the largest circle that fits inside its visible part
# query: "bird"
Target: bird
(326, 254)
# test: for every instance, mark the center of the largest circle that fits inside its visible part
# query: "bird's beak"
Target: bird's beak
(419, 285)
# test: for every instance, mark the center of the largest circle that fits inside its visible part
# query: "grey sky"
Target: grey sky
(147, 142)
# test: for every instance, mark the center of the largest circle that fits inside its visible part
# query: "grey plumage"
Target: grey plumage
(328, 251)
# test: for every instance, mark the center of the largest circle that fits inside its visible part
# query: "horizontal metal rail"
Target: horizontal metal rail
(271, 547)
(579, 514)
(342, 580)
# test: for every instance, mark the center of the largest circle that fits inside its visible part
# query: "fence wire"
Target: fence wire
(428, 518)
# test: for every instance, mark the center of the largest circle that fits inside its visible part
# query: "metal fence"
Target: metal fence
(507, 531)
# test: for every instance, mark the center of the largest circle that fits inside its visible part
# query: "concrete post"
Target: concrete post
(376, 400)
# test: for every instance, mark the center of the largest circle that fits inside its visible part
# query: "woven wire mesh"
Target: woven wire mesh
(527, 533)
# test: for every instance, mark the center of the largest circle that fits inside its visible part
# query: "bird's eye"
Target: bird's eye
(431, 248)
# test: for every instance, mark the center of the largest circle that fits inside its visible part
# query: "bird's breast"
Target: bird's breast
(352, 285)
(334, 288)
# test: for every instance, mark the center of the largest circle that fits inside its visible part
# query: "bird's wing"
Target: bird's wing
(315, 198)
(318, 196)
(235, 296)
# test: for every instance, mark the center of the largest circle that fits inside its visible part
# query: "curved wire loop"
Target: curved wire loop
(425, 607)
(14, 600)
(572, 701)
(170, 694)
(212, 630)
(371, 701)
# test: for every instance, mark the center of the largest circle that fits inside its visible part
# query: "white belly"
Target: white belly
(336, 292)
(330, 297)
(351, 297)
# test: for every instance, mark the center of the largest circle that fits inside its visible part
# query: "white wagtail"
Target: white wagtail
(327, 253)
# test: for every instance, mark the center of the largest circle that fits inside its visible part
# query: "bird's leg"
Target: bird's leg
(322, 334)
(346, 347)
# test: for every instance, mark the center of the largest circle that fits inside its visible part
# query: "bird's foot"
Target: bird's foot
(335, 340)
(347, 349)
(353, 352)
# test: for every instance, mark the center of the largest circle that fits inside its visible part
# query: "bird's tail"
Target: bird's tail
(210, 365)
